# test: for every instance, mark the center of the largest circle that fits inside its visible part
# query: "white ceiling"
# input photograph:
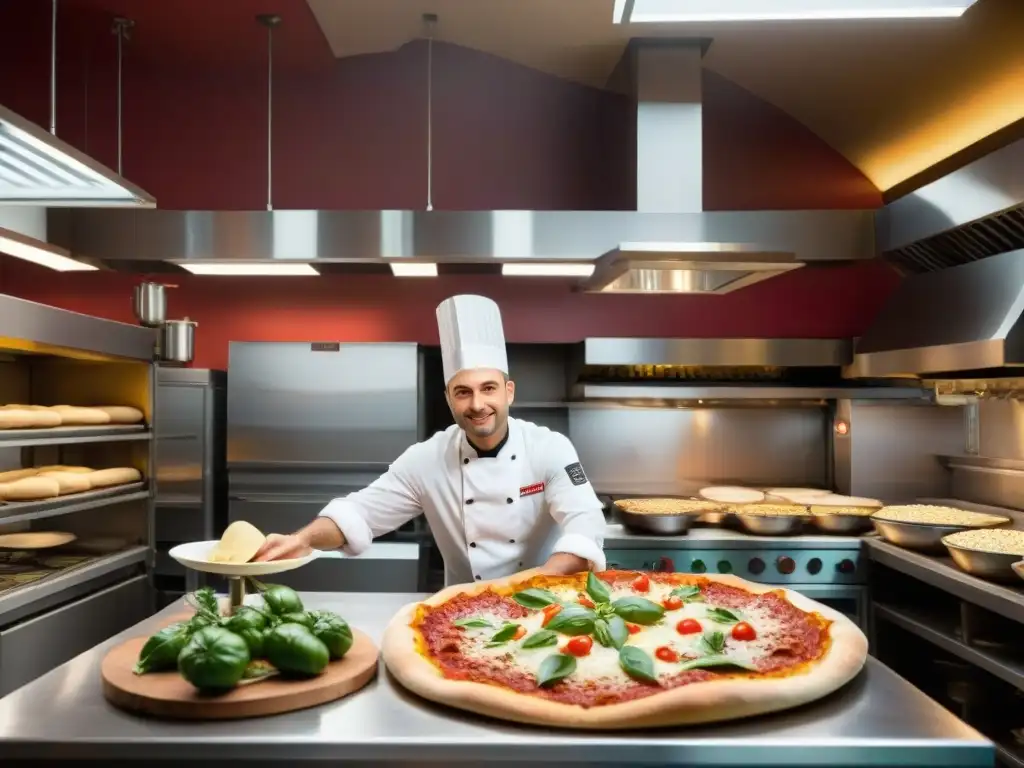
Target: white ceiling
(893, 96)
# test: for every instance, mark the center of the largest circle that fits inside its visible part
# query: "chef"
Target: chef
(501, 494)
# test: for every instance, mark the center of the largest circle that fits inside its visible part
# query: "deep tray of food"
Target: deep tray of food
(923, 526)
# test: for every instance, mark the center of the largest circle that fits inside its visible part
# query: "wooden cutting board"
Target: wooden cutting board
(169, 695)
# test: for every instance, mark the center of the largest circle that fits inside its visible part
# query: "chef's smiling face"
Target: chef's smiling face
(479, 399)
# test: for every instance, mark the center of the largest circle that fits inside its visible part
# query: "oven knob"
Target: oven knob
(814, 565)
(724, 566)
(786, 565)
(698, 566)
(666, 565)
(846, 566)
(756, 565)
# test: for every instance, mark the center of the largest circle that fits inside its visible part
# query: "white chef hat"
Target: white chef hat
(471, 335)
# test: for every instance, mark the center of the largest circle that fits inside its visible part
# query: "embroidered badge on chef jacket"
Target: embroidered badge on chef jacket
(576, 474)
(530, 490)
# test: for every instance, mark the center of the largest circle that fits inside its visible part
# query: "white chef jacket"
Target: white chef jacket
(490, 517)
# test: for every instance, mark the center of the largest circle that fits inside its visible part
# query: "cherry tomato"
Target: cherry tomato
(549, 613)
(579, 646)
(586, 602)
(666, 654)
(672, 603)
(641, 583)
(633, 628)
(520, 633)
(688, 627)
(743, 631)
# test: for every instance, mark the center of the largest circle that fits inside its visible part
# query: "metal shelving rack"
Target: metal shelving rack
(975, 622)
(52, 356)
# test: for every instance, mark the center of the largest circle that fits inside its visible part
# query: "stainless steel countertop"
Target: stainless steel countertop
(878, 720)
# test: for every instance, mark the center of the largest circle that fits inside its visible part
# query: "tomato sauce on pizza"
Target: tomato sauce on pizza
(617, 636)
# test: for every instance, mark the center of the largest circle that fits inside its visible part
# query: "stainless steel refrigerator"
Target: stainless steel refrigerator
(310, 422)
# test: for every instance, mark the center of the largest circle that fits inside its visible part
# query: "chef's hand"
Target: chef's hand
(321, 534)
(564, 564)
(278, 547)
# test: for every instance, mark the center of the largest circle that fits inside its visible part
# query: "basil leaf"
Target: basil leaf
(618, 631)
(639, 610)
(555, 668)
(722, 616)
(637, 664)
(504, 634)
(573, 620)
(602, 634)
(713, 642)
(688, 594)
(535, 598)
(541, 639)
(597, 589)
(473, 622)
(707, 662)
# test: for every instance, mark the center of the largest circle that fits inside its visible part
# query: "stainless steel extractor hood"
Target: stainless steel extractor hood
(954, 323)
(683, 267)
(972, 213)
(664, 77)
(37, 168)
(669, 243)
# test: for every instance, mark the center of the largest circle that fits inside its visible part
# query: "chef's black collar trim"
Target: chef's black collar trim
(493, 452)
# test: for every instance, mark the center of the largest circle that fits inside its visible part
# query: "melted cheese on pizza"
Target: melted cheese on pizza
(602, 663)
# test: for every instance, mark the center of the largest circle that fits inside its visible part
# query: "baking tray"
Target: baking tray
(16, 508)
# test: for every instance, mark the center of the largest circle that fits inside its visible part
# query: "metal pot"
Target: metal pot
(149, 301)
(178, 341)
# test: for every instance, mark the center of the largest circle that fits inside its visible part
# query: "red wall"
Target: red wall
(351, 134)
(820, 302)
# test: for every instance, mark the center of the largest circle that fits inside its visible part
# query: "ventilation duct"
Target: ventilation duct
(970, 214)
(664, 77)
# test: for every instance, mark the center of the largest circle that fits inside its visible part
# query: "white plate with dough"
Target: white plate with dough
(40, 540)
(196, 555)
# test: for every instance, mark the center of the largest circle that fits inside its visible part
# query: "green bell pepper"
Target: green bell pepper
(214, 659)
(333, 631)
(294, 649)
(161, 650)
(281, 599)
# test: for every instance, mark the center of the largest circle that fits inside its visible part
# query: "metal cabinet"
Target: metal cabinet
(191, 497)
(34, 647)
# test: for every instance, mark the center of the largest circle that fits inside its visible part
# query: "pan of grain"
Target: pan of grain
(662, 517)
(842, 515)
(923, 526)
(986, 552)
(771, 519)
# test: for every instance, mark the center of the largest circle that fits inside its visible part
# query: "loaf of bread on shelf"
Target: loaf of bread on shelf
(30, 489)
(59, 468)
(20, 418)
(77, 416)
(17, 474)
(121, 414)
(105, 478)
(69, 482)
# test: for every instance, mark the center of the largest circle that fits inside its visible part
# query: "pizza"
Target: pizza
(621, 649)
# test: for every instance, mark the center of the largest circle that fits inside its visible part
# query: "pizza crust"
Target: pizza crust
(703, 702)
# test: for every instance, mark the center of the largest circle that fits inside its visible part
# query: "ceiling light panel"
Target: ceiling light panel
(413, 270)
(264, 270)
(526, 269)
(682, 11)
(37, 168)
(45, 255)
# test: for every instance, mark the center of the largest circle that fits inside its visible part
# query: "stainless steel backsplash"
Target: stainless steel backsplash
(637, 450)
